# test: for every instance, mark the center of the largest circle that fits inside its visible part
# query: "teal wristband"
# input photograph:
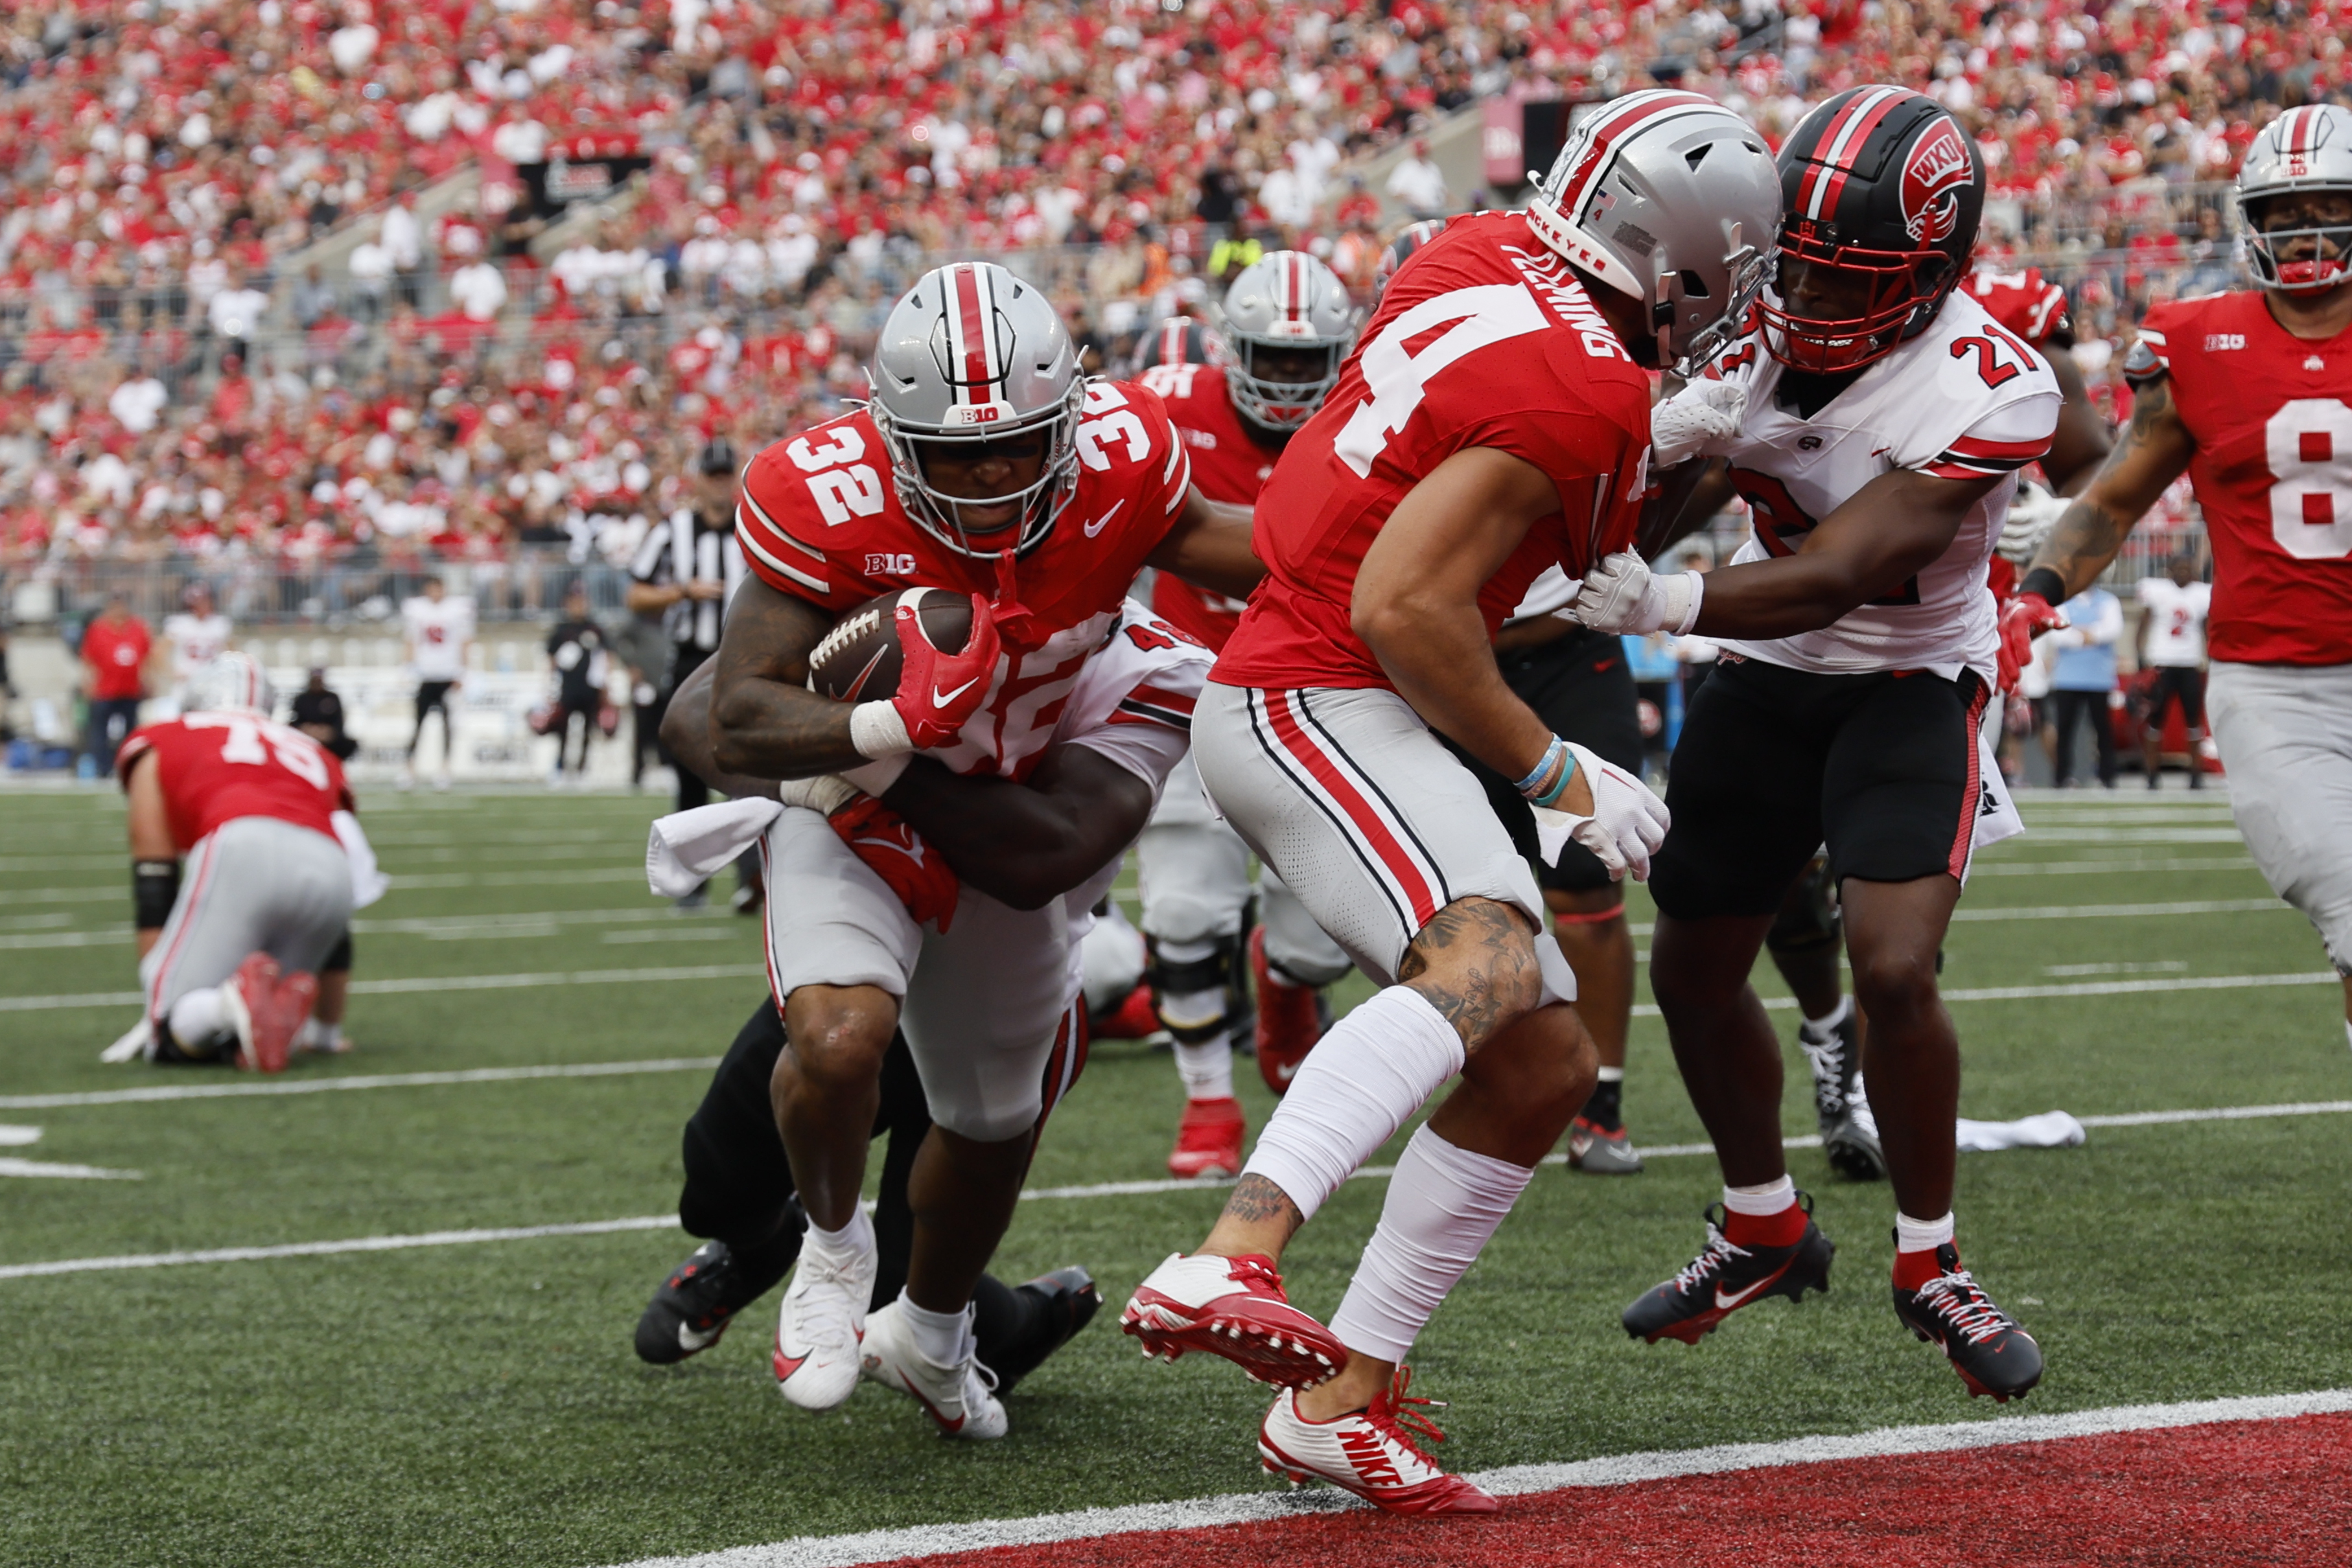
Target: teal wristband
(1551, 795)
(1542, 767)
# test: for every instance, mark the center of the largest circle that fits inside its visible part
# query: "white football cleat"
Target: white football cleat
(961, 1399)
(817, 1332)
(1232, 1307)
(1368, 1452)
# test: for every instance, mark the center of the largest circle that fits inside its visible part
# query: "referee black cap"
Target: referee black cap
(717, 457)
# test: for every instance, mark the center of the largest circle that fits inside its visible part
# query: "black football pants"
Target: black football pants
(739, 1185)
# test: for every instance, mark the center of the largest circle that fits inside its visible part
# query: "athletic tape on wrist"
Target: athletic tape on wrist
(1698, 582)
(877, 729)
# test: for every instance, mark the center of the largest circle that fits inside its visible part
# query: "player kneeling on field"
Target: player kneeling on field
(1033, 495)
(739, 1191)
(230, 953)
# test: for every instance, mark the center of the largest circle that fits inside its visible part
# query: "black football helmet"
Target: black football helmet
(1881, 192)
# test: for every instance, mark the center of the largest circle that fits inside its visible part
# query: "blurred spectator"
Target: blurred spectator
(115, 649)
(575, 652)
(314, 298)
(401, 234)
(319, 714)
(2082, 679)
(1419, 184)
(197, 634)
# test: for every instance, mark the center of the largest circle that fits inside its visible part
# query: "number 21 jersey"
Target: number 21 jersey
(1484, 338)
(2271, 415)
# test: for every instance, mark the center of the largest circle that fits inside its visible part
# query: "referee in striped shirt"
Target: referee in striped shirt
(687, 571)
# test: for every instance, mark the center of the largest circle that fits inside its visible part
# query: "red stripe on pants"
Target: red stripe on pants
(1409, 880)
(1972, 798)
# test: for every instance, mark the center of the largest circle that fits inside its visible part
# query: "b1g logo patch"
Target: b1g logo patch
(1940, 168)
(2217, 341)
(889, 565)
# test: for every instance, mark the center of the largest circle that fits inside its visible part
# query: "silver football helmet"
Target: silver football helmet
(1673, 199)
(2307, 149)
(971, 356)
(1280, 303)
(231, 682)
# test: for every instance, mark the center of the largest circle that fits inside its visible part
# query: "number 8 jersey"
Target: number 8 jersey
(1966, 399)
(1482, 339)
(2271, 416)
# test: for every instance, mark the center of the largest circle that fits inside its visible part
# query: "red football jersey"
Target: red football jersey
(216, 767)
(2026, 303)
(1485, 339)
(1229, 465)
(2271, 416)
(821, 520)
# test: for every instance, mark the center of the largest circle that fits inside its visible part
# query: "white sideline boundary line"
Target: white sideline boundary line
(1621, 1470)
(1098, 1189)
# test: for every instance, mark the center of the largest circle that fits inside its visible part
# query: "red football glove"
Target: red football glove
(937, 690)
(917, 874)
(2024, 619)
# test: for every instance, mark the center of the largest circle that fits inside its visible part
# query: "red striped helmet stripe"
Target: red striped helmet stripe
(1615, 123)
(1297, 268)
(1842, 142)
(2303, 130)
(964, 284)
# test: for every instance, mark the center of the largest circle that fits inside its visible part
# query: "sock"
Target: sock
(1915, 1241)
(2347, 1032)
(1207, 1069)
(943, 1338)
(198, 1019)
(1443, 1204)
(1765, 1216)
(318, 1035)
(1375, 1069)
(852, 1240)
(1605, 1109)
(1823, 1027)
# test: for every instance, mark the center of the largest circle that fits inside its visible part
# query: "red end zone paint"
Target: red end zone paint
(2270, 1493)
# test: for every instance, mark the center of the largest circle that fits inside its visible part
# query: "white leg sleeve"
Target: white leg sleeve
(1444, 1203)
(1376, 1067)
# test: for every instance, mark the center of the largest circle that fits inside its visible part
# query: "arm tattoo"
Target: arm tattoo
(1256, 1200)
(1491, 979)
(2089, 533)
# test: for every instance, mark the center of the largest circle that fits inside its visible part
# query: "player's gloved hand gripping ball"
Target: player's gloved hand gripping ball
(936, 672)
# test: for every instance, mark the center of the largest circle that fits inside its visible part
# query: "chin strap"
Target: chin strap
(1012, 616)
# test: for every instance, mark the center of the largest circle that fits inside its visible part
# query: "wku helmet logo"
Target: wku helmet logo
(1940, 168)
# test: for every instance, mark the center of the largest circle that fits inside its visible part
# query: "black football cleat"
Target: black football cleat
(700, 1299)
(1724, 1278)
(1065, 1301)
(1992, 1354)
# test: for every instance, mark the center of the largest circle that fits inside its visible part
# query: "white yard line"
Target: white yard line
(430, 983)
(2105, 867)
(1518, 1480)
(1048, 1194)
(16, 1167)
(244, 1088)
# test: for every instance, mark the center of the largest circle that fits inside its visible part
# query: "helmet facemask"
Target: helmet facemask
(941, 514)
(1872, 299)
(2309, 258)
(1272, 394)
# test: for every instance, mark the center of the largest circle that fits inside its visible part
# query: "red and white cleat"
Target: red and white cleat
(1232, 1307)
(264, 1010)
(1209, 1139)
(1368, 1452)
(1135, 1019)
(1290, 1019)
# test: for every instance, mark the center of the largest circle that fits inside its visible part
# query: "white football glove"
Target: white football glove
(2032, 513)
(1628, 822)
(1622, 594)
(1682, 426)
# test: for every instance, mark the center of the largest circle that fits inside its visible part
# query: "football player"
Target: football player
(985, 464)
(738, 1180)
(230, 950)
(1493, 421)
(1288, 324)
(1884, 419)
(2250, 394)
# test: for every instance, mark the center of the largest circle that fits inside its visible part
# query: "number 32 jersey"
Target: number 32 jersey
(1484, 338)
(821, 520)
(1964, 400)
(2271, 416)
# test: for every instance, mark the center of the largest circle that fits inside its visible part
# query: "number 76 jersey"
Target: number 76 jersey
(1966, 399)
(2271, 416)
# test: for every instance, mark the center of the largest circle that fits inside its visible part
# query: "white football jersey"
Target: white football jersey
(2176, 621)
(196, 641)
(437, 635)
(1963, 400)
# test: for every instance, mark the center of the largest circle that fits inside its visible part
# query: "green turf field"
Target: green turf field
(479, 1403)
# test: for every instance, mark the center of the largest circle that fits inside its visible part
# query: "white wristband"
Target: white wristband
(878, 730)
(1683, 592)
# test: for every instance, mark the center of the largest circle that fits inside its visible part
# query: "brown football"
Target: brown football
(858, 660)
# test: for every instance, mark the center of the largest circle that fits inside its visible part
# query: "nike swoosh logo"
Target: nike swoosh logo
(865, 675)
(941, 699)
(690, 1340)
(915, 855)
(1725, 1303)
(1099, 524)
(949, 1427)
(786, 1365)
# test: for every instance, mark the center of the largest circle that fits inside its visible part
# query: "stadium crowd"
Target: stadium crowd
(177, 382)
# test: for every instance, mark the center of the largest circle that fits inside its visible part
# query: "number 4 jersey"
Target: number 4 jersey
(1964, 400)
(216, 767)
(2271, 416)
(1484, 338)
